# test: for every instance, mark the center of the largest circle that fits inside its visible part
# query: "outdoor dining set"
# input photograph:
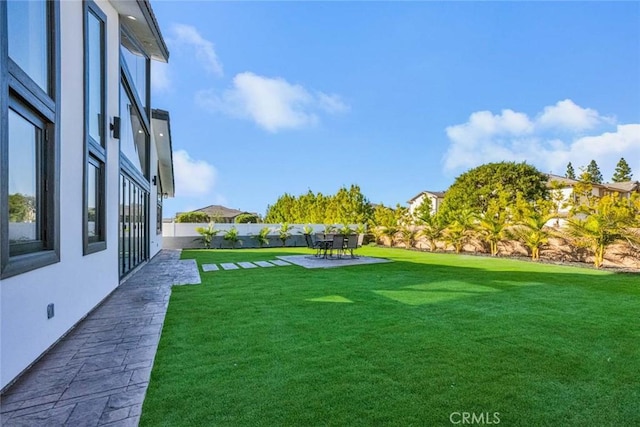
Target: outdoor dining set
(326, 245)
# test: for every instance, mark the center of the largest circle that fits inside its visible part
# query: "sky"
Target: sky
(268, 98)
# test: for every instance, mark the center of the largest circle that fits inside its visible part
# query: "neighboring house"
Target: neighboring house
(219, 213)
(563, 189)
(436, 198)
(85, 163)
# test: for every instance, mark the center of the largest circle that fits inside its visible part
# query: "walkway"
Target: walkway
(98, 374)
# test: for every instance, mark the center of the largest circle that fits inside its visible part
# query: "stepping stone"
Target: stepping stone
(229, 266)
(209, 267)
(263, 264)
(247, 265)
(280, 262)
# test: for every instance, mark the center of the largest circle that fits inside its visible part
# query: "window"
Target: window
(159, 206)
(133, 133)
(95, 130)
(137, 66)
(29, 152)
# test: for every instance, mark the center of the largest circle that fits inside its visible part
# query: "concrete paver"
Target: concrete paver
(99, 372)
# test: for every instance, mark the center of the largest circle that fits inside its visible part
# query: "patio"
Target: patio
(99, 372)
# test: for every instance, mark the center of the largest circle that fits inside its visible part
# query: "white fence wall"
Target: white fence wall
(184, 235)
(175, 229)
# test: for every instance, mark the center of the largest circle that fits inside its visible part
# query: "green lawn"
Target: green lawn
(402, 343)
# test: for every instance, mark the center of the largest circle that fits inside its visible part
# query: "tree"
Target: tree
(531, 227)
(423, 212)
(622, 172)
(409, 233)
(284, 233)
(207, 233)
(571, 173)
(231, 236)
(460, 230)
(493, 225)
(21, 208)
(193, 217)
(432, 230)
(246, 218)
(602, 222)
(475, 188)
(594, 174)
(262, 237)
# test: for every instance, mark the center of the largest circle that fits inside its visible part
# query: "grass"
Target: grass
(402, 343)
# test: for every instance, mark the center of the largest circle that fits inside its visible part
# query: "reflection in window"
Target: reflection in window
(28, 41)
(133, 138)
(94, 78)
(93, 195)
(136, 64)
(24, 207)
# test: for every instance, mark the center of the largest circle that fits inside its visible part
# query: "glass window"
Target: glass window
(29, 138)
(95, 138)
(137, 64)
(25, 210)
(159, 207)
(95, 201)
(28, 39)
(95, 77)
(133, 137)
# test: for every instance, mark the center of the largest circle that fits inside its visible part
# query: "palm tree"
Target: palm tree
(432, 230)
(390, 231)
(531, 228)
(599, 224)
(409, 235)
(461, 230)
(492, 228)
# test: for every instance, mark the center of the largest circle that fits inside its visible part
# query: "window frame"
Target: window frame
(95, 152)
(20, 92)
(159, 203)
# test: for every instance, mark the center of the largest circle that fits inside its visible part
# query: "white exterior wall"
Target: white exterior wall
(435, 203)
(155, 240)
(77, 283)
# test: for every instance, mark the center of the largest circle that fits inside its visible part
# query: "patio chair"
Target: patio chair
(351, 244)
(337, 244)
(317, 245)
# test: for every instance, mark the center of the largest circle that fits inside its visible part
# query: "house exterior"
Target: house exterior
(561, 189)
(219, 213)
(436, 198)
(85, 163)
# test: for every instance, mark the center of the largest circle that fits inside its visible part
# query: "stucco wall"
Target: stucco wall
(77, 283)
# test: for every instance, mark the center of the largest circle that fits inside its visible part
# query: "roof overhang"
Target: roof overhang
(138, 18)
(161, 127)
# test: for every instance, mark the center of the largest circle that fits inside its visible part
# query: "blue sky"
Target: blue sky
(274, 97)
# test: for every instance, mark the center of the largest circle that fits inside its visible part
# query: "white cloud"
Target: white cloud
(562, 133)
(567, 115)
(187, 36)
(272, 103)
(192, 177)
(160, 79)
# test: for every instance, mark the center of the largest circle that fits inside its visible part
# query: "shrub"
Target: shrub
(193, 217)
(247, 218)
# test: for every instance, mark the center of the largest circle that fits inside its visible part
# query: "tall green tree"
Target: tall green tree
(475, 188)
(423, 212)
(571, 173)
(595, 176)
(622, 172)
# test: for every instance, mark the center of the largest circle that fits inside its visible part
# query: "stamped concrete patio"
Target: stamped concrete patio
(99, 372)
